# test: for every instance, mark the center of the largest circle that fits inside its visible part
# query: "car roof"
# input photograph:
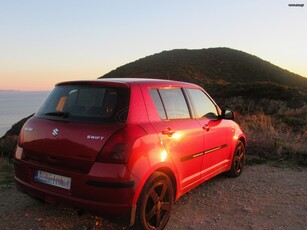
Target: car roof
(126, 82)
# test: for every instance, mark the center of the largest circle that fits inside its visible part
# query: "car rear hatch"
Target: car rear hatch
(73, 124)
(65, 144)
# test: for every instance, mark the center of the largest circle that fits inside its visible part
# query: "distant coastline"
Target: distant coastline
(16, 105)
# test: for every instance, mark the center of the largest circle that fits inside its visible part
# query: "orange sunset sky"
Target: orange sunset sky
(45, 42)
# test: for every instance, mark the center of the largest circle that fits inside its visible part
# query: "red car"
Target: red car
(126, 147)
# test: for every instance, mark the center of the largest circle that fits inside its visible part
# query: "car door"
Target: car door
(216, 150)
(181, 136)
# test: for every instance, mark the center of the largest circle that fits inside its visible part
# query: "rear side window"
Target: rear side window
(158, 103)
(170, 103)
(86, 103)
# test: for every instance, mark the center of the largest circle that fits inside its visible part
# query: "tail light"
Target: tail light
(19, 153)
(118, 148)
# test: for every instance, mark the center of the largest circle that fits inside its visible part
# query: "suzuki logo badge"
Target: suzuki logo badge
(55, 132)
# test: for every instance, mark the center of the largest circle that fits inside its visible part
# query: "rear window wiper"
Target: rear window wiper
(58, 114)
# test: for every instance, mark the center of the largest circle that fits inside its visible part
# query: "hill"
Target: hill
(223, 72)
(208, 65)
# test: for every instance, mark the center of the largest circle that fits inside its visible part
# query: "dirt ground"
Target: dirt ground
(263, 197)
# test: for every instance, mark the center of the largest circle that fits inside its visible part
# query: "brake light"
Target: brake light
(118, 148)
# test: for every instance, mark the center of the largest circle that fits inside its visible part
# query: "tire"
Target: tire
(155, 202)
(238, 160)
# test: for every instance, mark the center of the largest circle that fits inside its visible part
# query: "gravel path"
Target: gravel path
(263, 197)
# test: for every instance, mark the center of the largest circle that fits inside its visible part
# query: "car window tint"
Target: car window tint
(158, 103)
(174, 103)
(86, 103)
(203, 105)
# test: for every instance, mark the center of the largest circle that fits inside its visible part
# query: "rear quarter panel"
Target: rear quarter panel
(148, 154)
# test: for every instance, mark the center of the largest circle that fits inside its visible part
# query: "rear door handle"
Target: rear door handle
(168, 131)
(206, 127)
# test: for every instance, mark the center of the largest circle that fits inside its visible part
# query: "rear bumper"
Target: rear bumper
(102, 191)
(99, 208)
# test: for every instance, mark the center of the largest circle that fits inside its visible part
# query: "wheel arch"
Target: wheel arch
(243, 140)
(172, 177)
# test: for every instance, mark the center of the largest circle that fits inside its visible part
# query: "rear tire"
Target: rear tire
(238, 160)
(155, 202)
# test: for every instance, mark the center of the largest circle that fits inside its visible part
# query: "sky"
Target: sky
(50, 41)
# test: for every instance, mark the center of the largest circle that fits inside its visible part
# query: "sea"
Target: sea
(16, 105)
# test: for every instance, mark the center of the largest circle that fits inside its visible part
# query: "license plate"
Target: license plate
(52, 179)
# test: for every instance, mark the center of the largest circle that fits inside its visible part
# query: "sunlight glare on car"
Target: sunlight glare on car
(176, 136)
(163, 155)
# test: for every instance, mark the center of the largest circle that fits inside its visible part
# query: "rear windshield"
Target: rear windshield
(86, 104)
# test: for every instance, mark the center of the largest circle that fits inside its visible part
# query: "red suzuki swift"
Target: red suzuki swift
(126, 147)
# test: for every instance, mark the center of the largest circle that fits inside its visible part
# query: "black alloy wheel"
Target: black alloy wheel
(155, 203)
(238, 160)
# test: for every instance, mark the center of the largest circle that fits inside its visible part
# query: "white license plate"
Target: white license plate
(52, 179)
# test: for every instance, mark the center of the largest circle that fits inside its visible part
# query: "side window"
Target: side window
(158, 103)
(203, 105)
(174, 103)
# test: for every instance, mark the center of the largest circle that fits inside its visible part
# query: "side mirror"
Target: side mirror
(228, 114)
